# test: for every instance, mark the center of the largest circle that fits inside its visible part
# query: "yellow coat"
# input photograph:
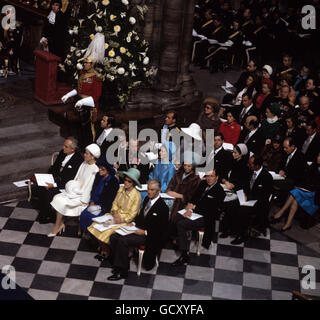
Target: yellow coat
(127, 205)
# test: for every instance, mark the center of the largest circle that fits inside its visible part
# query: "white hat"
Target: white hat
(243, 148)
(193, 130)
(94, 149)
(268, 69)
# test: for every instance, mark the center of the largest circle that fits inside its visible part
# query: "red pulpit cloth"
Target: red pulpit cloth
(47, 90)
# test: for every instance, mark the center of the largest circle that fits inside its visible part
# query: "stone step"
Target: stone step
(27, 132)
(23, 168)
(34, 147)
(9, 192)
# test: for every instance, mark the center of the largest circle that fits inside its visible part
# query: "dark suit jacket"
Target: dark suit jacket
(69, 171)
(313, 149)
(156, 224)
(108, 194)
(57, 34)
(223, 162)
(105, 144)
(255, 143)
(208, 204)
(296, 167)
(261, 189)
(252, 112)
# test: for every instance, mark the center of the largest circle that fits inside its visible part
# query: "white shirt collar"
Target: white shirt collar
(258, 172)
(52, 17)
(251, 133)
(217, 150)
(66, 159)
(153, 201)
(290, 156)
(103, 136)
(311, 137)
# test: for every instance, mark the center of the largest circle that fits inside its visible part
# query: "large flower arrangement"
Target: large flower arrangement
(126, 64)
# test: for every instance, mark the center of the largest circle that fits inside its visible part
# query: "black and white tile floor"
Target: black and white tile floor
(64, 267)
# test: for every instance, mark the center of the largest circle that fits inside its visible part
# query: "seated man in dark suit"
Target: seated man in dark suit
(64, 169)
(311, 145)
(258, 188)
(207, 201)
(151, 222)
(292, 167)
(219, 158)
(252, 136)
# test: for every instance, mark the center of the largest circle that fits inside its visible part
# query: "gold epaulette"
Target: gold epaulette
(207, 23)
(246, 23)
(259, 29)
(216, 30)
(234, 34)
(178, 129)
(311, 112)
(315, 94)
(288, 70)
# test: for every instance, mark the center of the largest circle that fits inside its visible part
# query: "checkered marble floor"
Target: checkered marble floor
(64, 267)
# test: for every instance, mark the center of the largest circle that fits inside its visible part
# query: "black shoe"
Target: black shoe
(224, 235)
(274, 220)
(238, 240)
(284, 230)
(181, 261)
(117, 277)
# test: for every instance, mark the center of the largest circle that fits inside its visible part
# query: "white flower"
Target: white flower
(69, 63)
(132, 20)
(80, 21)
(113, 17)
(76, 77)
(79, 66)
(72, 48)
(121, 70)
(132, 66)
(111, 78)
(125, 2)
(133, 74)
(71, 32)
(128, 39)
(105, 2)
(98, 29)
(100, 14)
(118, 59)
(137, 38)
(122, 14)
(146, 60)
(130, 34)
(78, 54)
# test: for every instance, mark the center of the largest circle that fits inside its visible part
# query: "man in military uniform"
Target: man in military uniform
(311, 91)
(286, 69)
(88, 92)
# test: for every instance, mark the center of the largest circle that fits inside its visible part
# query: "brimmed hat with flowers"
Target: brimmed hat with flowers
(193, 131)
(133, 174)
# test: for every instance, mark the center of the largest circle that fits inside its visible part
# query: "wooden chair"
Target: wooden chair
(53, 159)
(141, 250)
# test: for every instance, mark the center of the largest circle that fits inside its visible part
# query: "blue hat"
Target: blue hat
(102, 162)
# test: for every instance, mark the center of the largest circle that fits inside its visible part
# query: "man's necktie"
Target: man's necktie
(253, 179)
(306, 145)
(147, 208)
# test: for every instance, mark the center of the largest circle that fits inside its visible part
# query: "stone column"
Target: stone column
(168, 28)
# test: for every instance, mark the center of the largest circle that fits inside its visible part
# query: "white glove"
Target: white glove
(85, 102)
(69, 95)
